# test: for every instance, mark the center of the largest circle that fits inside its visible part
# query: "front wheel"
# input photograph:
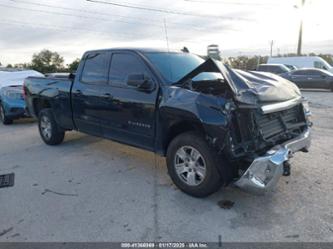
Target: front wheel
(3, 118)
(49, 130)
(192, 165)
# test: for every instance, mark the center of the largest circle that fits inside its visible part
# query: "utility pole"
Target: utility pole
(300, 35)
(166, 34)
(272, 43)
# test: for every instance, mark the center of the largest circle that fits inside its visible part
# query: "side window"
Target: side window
(123, 65)
(299, 73)
(96, 68)
(318, 64)
(315, 72)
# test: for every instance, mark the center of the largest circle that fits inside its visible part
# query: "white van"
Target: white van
(302, 62)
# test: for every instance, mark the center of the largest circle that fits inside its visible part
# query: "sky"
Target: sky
(239, 27)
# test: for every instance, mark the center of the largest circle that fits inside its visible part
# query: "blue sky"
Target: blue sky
(240, 27)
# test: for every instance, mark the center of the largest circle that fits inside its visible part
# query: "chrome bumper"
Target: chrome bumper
(264, 172)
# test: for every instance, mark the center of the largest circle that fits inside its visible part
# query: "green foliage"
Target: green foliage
(47, 61)
(72, 67)
(246, 62)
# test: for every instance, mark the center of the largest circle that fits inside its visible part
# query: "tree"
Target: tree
(47, 61)
(72, 67)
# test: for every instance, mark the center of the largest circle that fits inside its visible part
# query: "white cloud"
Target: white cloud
(247, 26)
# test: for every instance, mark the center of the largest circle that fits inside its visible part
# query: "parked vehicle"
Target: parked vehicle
(214, 124)
(311, 78)
(12, 104)
(291, 67)
(303, 62)
(57, 75)
(273, 68)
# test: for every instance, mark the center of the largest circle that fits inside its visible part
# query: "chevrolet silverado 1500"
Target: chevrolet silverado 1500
(214, 124)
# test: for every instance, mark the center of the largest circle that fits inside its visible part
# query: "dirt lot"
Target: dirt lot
(90, 189)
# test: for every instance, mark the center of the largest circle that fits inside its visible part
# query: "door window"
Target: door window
(96, 68)
(123, 65)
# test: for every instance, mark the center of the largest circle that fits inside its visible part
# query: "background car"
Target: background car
(12, 104)
(303, 62)
(311, 78)
(291, 67)
(273, 68)
(57, 75)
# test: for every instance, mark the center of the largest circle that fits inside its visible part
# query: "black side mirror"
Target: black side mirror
(71, 76)
(140, 81)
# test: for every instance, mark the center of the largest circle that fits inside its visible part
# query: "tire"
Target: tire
(5, 120)
(49, 130)
(200, 177)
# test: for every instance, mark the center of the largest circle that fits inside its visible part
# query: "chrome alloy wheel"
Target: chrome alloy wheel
(45, 126)
(190, 165)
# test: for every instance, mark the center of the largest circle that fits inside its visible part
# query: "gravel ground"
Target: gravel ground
(90, 189)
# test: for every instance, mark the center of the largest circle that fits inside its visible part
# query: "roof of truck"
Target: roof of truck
(142, 50)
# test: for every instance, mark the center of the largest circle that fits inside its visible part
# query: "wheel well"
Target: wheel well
(40, 104)
(180, 128)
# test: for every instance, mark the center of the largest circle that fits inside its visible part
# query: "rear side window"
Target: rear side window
(123, 65)
(96, 68)
(315, 72)
(299, 73)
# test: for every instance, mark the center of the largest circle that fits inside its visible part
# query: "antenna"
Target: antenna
(166, 34)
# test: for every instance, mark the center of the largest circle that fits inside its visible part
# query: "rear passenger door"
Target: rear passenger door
(88, 99)
(299, 78)
(130, 117)
(317, 79)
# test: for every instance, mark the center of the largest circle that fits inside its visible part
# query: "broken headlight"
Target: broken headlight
(307, 111)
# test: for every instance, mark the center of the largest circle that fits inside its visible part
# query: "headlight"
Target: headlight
(307, 111)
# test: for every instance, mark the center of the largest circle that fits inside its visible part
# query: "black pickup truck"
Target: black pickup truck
(215, 125)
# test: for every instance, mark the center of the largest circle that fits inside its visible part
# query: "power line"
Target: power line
(80, 10)
(230, 3)
(151, 22)
(68, 14)
(69, 29)
(160, 10)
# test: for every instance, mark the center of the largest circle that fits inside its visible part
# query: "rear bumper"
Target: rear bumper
(264, 172)
(15, 109)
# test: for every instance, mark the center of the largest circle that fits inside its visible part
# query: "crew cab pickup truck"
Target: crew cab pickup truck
(215, 125)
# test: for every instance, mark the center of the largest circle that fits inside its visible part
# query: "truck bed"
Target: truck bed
(56, 92)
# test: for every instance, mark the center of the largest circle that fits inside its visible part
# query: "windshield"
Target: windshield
(174, 66)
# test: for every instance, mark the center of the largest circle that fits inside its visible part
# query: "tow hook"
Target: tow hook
(286, 168)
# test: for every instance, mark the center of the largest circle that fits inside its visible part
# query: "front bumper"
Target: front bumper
(264, 172)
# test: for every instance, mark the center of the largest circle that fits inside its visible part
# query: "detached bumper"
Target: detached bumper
(264, 172)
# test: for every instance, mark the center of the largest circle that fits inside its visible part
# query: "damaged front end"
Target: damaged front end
(268, 122)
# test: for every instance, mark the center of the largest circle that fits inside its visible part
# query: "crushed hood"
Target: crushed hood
(249, 87)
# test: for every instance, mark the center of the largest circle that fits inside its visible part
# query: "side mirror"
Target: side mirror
(140, 81)
(71, 76)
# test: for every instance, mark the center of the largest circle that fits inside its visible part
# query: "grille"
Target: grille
(278, 126)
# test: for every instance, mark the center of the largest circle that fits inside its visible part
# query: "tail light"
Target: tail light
(24, 90)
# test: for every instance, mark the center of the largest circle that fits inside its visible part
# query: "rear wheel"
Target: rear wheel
(3, 118)
(192, 165)
(49, 130)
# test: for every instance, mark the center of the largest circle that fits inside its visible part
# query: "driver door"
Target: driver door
(130, 117)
